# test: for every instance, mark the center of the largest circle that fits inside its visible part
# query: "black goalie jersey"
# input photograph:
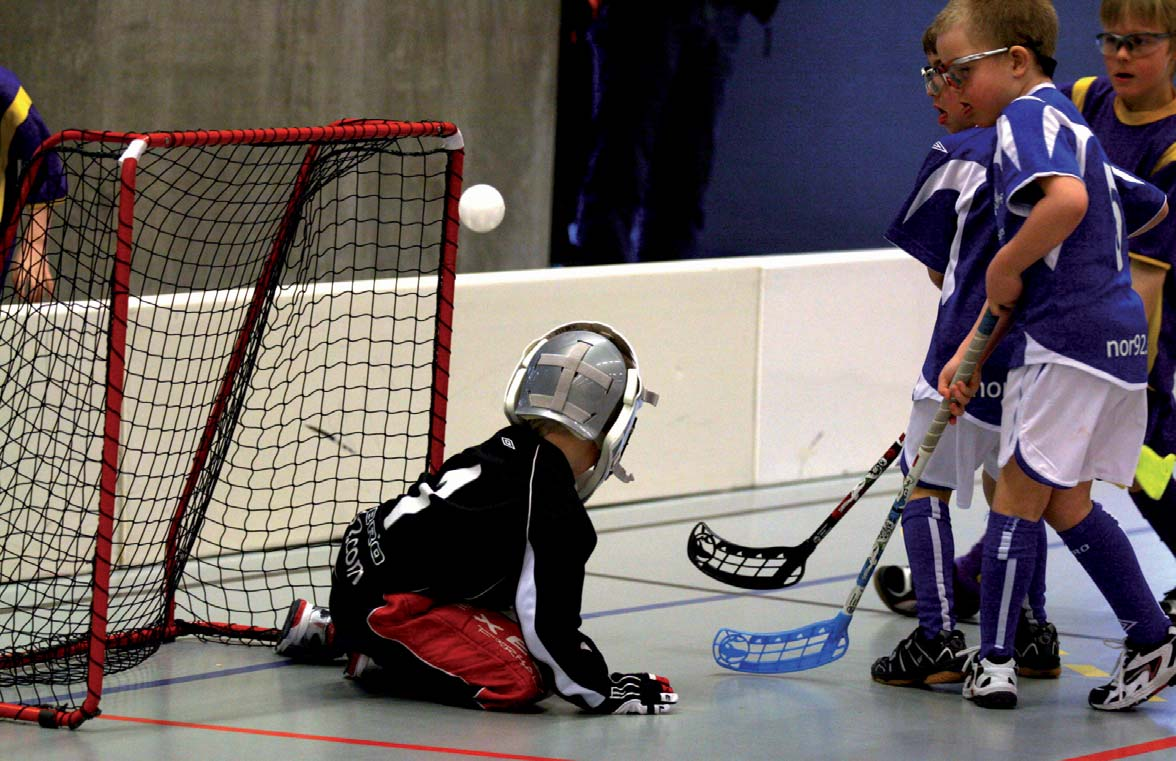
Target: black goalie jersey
(500, 527)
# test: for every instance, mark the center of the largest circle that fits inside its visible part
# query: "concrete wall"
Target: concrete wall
(487, 65)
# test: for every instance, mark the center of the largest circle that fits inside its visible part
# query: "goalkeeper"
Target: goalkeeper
(467, 589)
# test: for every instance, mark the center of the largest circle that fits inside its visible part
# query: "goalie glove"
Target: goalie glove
(639, 693)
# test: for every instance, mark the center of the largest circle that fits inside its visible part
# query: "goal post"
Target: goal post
(248, 341)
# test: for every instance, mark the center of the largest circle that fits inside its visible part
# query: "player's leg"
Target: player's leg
(1010, 546)
(966, 577)
(1036, 649)
(933, 652)
(968, 446)
(453, 653)
(633, 63)
(1148, 661)
(680, 170)
(1077, 428)
(1160, 512)
(1007, 564)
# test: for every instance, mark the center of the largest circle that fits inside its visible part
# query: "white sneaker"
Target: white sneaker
(307, 633)
(1138, 675)
(991, 682)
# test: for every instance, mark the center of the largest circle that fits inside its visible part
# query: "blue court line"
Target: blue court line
(183, 679)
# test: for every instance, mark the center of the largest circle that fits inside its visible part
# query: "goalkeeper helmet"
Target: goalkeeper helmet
(584, 376)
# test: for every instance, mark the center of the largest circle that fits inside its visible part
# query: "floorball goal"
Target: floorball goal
(247, 342)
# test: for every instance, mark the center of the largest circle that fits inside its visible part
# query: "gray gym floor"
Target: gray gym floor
(649, 609)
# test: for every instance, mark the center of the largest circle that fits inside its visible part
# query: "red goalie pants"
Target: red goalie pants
(453, 653)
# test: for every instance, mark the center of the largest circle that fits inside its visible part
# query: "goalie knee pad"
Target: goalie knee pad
(584, 376)
(455, 653)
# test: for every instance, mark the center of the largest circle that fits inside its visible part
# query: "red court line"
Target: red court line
(1128, 751)
(327, 738)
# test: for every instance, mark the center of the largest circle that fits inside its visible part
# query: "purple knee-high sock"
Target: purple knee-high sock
(926, 530)
(1010, 555)
(1106, 554)
(1036, 603)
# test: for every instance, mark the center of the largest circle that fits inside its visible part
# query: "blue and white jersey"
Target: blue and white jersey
(1077, 307)
(948, 225)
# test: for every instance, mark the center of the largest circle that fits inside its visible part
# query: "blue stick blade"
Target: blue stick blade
(808, 647)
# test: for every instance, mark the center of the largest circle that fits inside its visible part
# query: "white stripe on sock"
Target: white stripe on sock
(1006, 597)
(937, 557)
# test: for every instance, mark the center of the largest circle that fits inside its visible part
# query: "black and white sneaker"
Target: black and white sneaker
(308, 634)
(991, 682)
(1036, 650)
(918, 660)
(1138, 675)
(895, 587)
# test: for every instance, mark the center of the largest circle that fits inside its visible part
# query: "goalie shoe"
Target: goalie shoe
(308, 634)
(895, 587)
(920, 660)
(1139, 674)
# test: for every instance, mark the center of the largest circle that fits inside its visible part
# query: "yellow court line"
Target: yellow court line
(1087, 670)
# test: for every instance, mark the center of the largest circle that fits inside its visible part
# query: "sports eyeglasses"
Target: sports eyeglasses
(1137, 43)
(954, 73)
(935, 78)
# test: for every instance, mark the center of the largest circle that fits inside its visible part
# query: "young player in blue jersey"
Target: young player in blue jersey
(466, 590)
(947, 224)
(1132, 110)
(21, 132)
(1074, 406)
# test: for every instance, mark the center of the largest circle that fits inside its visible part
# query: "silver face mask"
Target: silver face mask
(584, 376)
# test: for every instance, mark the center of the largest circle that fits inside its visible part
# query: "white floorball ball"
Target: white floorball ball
(481, 208)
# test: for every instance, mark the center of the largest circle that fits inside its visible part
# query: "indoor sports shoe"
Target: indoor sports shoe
(1138, 675)
(991, 682)
(1036, 651)
(307, 634)
(894, 586)
(918, 660)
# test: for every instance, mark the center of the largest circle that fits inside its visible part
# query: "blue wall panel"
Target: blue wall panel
(820, 141)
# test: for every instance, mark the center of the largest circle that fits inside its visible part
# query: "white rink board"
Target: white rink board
(817, 348)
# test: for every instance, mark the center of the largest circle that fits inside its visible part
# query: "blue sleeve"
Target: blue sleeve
(1034, 141)
(926, 225)
(50, 184)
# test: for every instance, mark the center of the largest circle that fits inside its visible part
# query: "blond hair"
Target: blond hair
(1032, 24)
(1162, 13)
(930, 35)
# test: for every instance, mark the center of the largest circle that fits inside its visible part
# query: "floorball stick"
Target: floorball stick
(773, 567)
(823, 642)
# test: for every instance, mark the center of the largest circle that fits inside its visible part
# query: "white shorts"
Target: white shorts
(1066, 426)
(962, 449)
